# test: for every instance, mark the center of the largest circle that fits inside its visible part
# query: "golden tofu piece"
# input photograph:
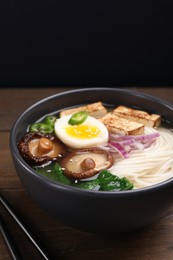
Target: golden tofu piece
(118, 125)
(96, 110)
(152, 120)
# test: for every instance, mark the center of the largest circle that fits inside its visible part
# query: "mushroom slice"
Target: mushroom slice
(85, 163)
(40, 148)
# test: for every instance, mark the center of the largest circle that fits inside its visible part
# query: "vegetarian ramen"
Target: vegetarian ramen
(95, 148)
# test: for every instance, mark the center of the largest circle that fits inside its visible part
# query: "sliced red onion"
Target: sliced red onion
(120, 149)
(146, 136)
(134, 137)
(124, 144)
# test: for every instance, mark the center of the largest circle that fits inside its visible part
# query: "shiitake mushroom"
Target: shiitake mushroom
(39, 148)
(85, 163)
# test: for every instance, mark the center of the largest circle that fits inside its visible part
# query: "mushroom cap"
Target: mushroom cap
(85, 163)
(37, 158)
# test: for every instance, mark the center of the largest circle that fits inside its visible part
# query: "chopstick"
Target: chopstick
(10, 242)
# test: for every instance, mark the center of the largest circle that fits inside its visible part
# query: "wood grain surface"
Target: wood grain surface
(154, 242)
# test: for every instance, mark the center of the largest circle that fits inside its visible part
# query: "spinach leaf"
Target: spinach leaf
(110, 182)
(88, 185)
(105, 180)
(54, 172)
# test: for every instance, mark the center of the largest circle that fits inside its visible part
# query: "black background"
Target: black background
(86, 43)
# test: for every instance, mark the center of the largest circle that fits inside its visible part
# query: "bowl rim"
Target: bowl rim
(68, 188)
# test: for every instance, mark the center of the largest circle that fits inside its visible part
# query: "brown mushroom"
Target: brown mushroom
(40, 148)
(85, 163)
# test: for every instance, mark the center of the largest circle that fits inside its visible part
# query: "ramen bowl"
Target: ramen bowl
(110, 212)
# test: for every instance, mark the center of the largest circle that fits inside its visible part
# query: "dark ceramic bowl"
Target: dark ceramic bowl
(93, 211)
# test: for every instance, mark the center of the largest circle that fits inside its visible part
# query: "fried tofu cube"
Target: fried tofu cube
(118, 125)
(96, 110)
(152, 120)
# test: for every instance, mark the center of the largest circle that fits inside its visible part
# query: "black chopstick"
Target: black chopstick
(9, 241)
(13, 249)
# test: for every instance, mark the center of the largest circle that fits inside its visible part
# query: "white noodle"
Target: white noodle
(149, 166)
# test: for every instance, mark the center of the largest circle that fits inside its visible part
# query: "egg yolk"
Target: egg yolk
(83, 131)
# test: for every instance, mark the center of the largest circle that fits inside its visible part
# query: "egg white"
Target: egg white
(77, 142)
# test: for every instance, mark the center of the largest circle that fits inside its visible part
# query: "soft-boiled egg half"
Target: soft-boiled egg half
(90, 133)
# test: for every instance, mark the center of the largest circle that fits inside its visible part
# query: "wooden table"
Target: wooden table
(61, 241)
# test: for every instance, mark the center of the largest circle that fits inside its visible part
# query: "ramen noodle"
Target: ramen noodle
(150, 166)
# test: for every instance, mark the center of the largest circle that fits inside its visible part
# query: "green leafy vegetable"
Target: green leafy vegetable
(105, 181)
(54, 172)
(110, 182)
(88, 185)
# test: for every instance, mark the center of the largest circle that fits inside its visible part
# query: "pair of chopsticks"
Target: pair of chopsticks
(8, 238)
